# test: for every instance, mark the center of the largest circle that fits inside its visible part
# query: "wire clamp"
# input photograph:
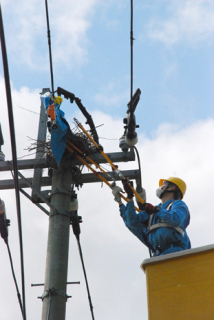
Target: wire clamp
(52, 291)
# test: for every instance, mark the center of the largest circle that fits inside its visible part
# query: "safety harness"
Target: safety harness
(163, 224)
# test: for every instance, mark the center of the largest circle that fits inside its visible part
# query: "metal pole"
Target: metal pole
(54, 297)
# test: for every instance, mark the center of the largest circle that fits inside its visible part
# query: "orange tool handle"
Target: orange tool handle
(107, 158)
(98, 175)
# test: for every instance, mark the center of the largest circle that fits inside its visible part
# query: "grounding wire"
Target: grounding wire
(14, 278)
(14, 154)
(85, 275)
(49, 45)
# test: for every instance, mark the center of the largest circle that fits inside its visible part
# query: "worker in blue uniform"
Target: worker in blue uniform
(161, 228)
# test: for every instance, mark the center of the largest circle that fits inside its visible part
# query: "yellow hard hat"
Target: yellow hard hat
(179, 183)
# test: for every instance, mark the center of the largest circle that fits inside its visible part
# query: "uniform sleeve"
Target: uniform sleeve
(135, 222)
(177, 216)
(131, 218)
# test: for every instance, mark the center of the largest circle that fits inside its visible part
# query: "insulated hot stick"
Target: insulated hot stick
(107, 158)
(96, 173)
(89, 159)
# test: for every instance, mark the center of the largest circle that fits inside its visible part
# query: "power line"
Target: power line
(49, 45)
(14, 154)
(14, 278)
(131, 44)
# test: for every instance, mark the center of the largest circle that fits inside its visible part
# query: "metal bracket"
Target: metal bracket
(52, 291)
(62, 191)
(70, 214)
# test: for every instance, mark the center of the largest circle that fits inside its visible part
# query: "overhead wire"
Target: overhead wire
(131, 47)
(14, 278)
(49, 45)
(14, 154)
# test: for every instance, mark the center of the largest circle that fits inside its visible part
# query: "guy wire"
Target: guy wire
(49, 45)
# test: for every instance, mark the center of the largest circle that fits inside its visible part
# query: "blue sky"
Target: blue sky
(173, 56)
(173, 67)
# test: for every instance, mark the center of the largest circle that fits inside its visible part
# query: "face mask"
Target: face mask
(159, 192)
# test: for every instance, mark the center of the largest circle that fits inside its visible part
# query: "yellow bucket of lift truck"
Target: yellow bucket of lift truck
(180, 285)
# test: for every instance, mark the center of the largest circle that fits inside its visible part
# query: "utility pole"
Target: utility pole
(55, 297)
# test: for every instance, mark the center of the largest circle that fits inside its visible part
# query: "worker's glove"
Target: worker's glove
(141, 192)
(116, 191)
(149, 208)
(74, 205)
(127, 188)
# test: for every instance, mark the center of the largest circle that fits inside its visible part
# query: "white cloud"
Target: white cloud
(190, 21)
(107, 96)
(27, 35)
(112, 254)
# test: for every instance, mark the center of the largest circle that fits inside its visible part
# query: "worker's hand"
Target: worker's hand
(149, 208)
(127, 188)
(116, 191)
(141, 192)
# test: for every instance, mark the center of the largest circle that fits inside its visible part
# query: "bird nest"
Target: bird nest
(78, 139)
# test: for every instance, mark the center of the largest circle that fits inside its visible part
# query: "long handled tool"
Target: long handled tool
(107, 158)
(89, 159)
(90, 168)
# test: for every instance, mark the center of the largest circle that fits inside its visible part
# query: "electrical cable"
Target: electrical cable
(86, 281)
(14, 154)
(75, 221)
(14, 278)
(138, 157)
(131, 44)
(49, 45)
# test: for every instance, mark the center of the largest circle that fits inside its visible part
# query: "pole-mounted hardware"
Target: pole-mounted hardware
(2, 156)
(129, 138)
(42, 284)
(53, 291)
(89, 120)
(4, 222)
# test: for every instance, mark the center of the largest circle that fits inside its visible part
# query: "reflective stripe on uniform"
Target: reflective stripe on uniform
(164, 225)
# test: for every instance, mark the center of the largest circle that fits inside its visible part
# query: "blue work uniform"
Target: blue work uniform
(160, 240)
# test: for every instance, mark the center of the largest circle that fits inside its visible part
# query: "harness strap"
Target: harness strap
(163, 224)
(150, 220)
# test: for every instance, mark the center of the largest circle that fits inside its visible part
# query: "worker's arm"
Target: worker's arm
(131, 218)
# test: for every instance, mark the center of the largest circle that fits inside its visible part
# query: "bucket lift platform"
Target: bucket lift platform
(181, 285)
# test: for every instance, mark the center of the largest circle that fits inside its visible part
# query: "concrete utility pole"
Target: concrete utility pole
(54, 297)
